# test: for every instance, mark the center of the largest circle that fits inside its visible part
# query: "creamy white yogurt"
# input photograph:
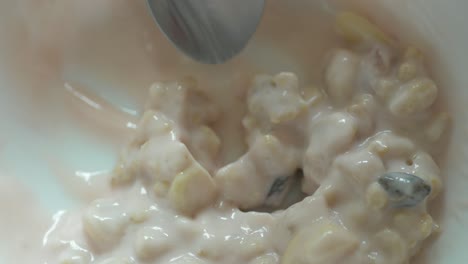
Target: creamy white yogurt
(199, 154)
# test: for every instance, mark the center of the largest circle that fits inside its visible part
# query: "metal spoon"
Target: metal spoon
(209, 31)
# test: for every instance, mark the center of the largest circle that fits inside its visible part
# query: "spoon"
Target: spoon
(208, 31)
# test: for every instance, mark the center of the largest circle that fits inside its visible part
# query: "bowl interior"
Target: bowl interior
(55, 135)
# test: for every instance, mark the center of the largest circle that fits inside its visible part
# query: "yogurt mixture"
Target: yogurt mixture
(305, 190)
(174, 202)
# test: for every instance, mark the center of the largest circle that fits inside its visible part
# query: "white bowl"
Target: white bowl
(47, 134)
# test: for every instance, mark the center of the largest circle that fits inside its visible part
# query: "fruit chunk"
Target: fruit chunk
(256, 171)
(329, 136)
(275, 98)
(414, 96)
(437, 127)
(376, 196)
(192, 190)
(151, 242)
(391, 245)
(319, 244)
(105, 222)
(341, 74)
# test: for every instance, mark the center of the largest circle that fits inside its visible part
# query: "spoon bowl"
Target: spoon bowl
(208, 31)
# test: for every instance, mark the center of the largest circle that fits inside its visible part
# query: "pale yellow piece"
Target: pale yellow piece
(393, 246)
(385, 88)
(208, 140)
(253, 245)
(115, 260)
(437, 127)
(407, 71)
(427, 169)
(376, 196)
(312, 95)
(76, 260)
(210, 253)
(121, 176)
(412, 52)
(389, 145)
(405, 219)
(161, 188)
(358, 214)
(151, 242)
(287, 80)
(413, 97)
(265, 259)
(187, 259)
(364, 103)
(426, 226)
(161, 160)
(378, 147)
(275, 98)
(340, 75)
(235, 177)
(139, 217)
(151, 124)
(192, 190)
(201, 109)
(329, 136)
(195, 106)
(164, 95)
(414, 226)
(104, 223)
(267, 159)
(358, 30)
(321, 243)
(363, 109)
(431, 178)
